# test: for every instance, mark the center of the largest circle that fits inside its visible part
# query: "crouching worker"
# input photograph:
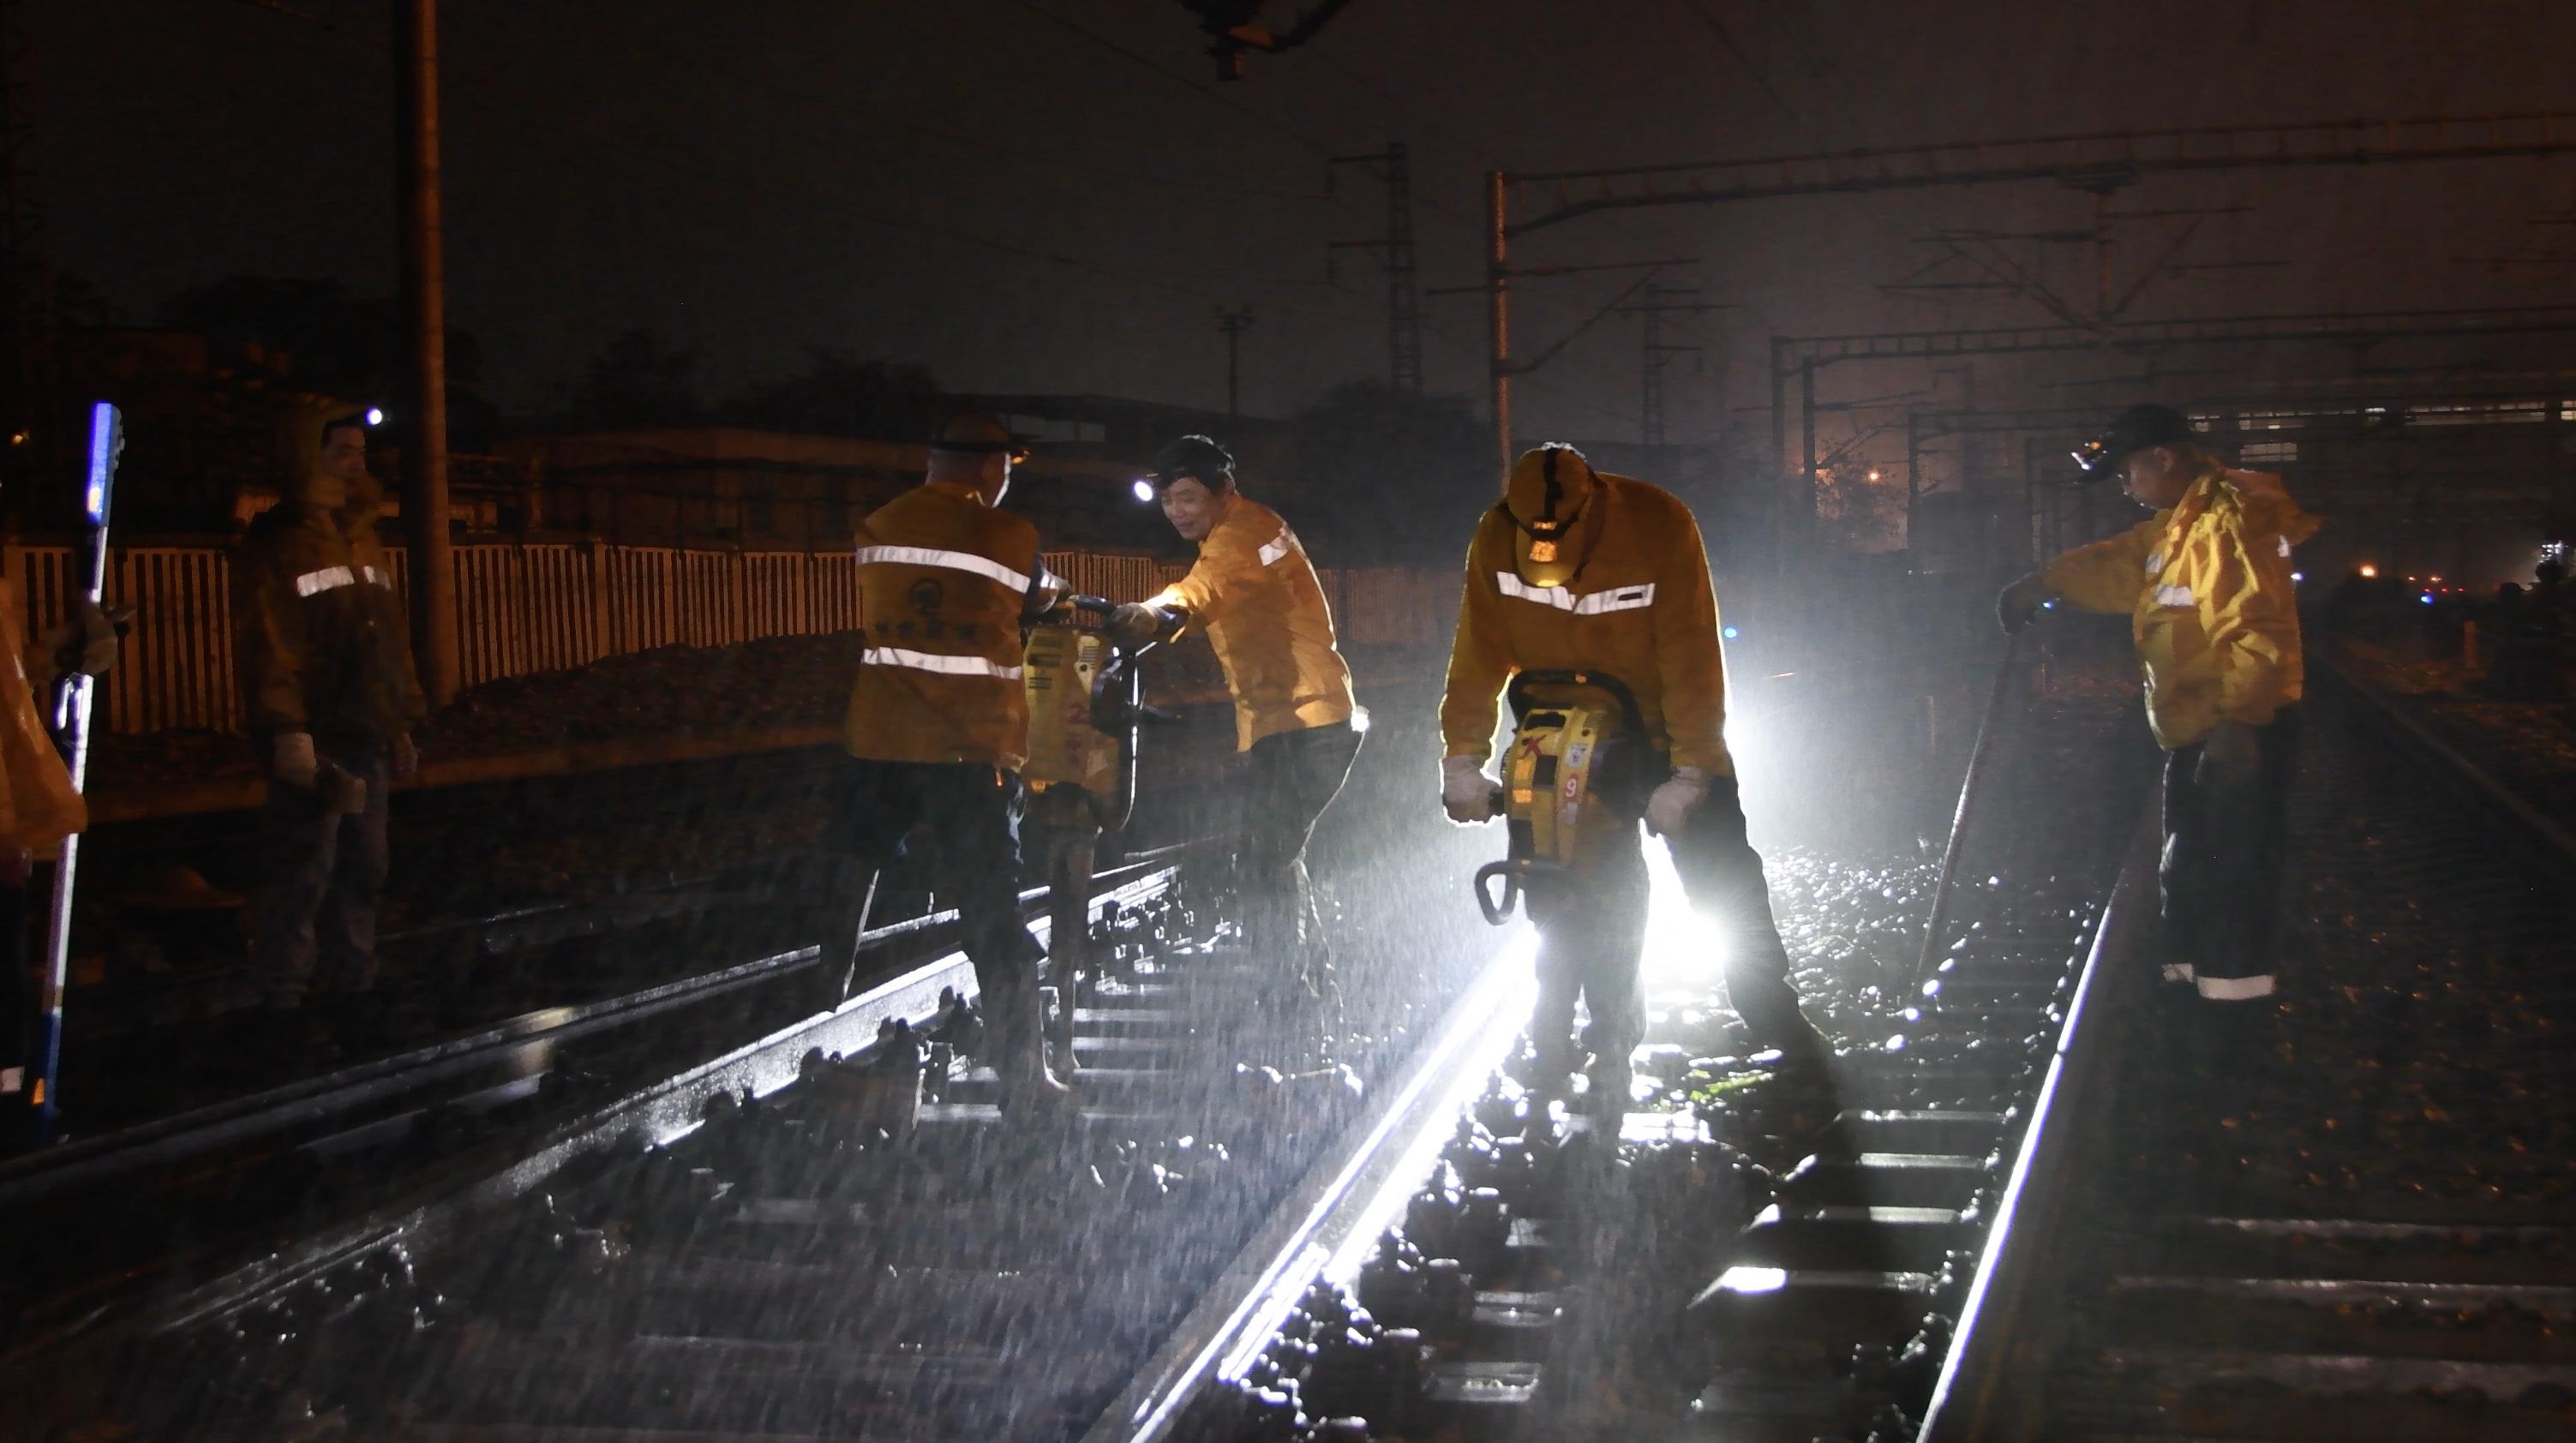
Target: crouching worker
(1256, 595)
(938, 724)
(1579, 571)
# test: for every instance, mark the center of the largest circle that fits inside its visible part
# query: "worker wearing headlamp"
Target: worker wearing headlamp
(1579, 570)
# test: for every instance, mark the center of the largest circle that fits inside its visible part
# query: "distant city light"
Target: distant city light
(2369, 572)
(1144, 489)
(1873, 473)
(2428, 598)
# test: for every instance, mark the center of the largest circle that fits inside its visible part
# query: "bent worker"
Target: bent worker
(2206, 583)
(322, 651)
(1579, 570)
(1256, 595)
(938, 726)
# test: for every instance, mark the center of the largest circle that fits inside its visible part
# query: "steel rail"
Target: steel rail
(338, 1094)
(1992, 1355)
(1336, 1210)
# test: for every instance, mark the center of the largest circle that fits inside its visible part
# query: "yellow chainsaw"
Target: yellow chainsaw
(1571, 780)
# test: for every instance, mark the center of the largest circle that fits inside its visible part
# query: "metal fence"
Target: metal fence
(547, 606)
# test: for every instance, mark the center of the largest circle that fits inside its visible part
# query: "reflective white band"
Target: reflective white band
(934, 662)
(2234, 989)
(2155, 563)
(967, 561)
(375, 577)
(2285, 548)
(2173, 596)
(1274, 550)
(329, 578)
(1623, 598)
(2178, 972)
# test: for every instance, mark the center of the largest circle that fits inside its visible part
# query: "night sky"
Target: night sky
(977, 186)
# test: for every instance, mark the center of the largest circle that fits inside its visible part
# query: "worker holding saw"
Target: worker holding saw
(1593, 592)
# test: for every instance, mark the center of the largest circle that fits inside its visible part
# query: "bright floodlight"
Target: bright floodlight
(375, 416)
(1144, 489)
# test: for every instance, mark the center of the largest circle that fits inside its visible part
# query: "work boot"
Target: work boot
(1019, 1056)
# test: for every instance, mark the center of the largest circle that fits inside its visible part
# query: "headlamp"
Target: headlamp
(1144, 490)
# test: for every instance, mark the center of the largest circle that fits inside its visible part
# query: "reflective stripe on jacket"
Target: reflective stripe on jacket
(1256, 594)
(2210, 601)
(38, 807)
(943, 579)
(321, 639)
(1641, 608)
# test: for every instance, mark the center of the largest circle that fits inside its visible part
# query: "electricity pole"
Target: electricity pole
(433, 573)
(1234, 323)
(1394, 251)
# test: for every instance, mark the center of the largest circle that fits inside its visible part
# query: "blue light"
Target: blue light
(102, 456)
(2428, 598)
(375, 416)
(2298, 576)
(1730, 633)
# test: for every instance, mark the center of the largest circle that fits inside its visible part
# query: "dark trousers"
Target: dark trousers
(963, 820)
(325, 872)
(1592, 937)
(2226, 806)
(1294, 776)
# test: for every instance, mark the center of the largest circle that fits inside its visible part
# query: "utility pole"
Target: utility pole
(1394, 251)
(433, 571)
(1655, 303)
(1234, 323)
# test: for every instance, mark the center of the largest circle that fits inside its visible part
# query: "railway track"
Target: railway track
(91, 1222)
(1392, 1237)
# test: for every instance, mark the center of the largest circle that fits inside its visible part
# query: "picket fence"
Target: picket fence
(537, 607)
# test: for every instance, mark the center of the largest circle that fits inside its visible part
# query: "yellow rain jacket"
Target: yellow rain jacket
(38, 807)
(943, 579)
(1640, 608)
(2211, 605)
(1256, 593)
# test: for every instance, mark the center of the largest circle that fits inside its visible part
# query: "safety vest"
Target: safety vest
(1640, 608)
(943, 580)
(1264, 611)
(321, 640)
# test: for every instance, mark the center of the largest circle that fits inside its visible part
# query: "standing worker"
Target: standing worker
(1255, 593)
(322, 651)
(2206, 585)
(38, 809)
(1579, 571)
(939, 728)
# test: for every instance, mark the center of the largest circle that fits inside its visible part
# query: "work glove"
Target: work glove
(86, 643)
(406, 755)
(1671, 803)
(1466, 793)
(1135, 623)
(291, 760)
(2019, 602)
